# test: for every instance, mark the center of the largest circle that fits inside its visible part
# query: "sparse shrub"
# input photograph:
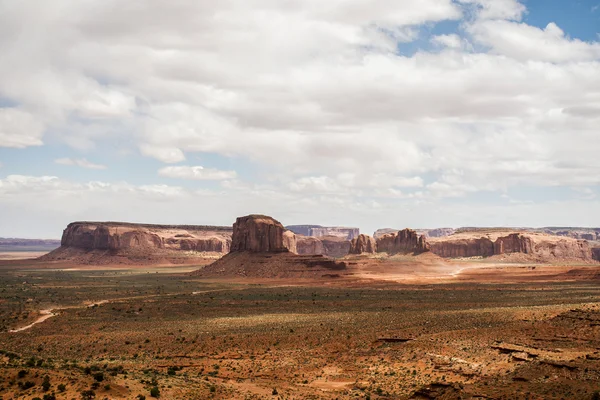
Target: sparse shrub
(49, 396)
(107, 387)
(213, 389)
(88, 395)
(26, 385)
(99, 376)
(274, 392)
(62, 387)
(22, 373)
(46, 383)
(141, 397)
(155, 392)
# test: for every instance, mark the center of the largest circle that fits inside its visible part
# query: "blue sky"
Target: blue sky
(368, 113)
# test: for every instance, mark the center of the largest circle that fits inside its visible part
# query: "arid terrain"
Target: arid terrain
(265, 323)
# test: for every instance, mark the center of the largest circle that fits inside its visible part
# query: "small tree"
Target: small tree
(46, 383)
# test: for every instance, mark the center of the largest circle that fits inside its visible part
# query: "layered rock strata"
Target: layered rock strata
(402, 242)
(261, 234)
(363, 244)
(331, 246)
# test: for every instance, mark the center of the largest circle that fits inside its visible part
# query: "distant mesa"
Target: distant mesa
(534, 246)
(437, 232)
(320, 231)
(406, 241)
(108, 242)
(363, 244)
(331, 246)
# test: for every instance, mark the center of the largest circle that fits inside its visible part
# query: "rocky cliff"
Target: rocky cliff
(261, 234)
(538, 246)
(402, 242)
(331, 246)
(320, 231)
(363, 244)
(117, 236)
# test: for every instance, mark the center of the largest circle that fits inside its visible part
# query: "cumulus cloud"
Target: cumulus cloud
(316, 97)
(80, 162)
(196, 173)
(19, 129)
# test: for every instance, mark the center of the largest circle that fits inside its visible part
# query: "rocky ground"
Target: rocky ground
(460, 329)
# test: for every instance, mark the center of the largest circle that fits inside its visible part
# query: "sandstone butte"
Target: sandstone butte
(406, 241)
(363, 244)
(261, 234)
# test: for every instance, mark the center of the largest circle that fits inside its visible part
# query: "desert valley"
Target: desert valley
(257, 310)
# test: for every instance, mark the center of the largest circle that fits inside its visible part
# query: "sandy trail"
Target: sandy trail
(45, 314)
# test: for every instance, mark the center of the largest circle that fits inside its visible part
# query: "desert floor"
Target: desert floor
(396, 329)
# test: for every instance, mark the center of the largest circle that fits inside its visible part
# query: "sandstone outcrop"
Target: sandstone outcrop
(261, 234)
(542, 247)
(363, 244)
(454, 248)
(122, 243)
(331, 246)
(402, 242)
(117, 236)
(596, 253)
(321, 231)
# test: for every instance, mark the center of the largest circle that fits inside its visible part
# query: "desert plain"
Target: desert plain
(279, 326)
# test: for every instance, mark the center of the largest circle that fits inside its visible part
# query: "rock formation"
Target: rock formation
(405, 241)
(481, 247)
(596, 253)
(124, 243)
(363, 244)
(320, 231)
(331, 246)
(438, 232)
(536, 245)
(117, 236)
(261, 234)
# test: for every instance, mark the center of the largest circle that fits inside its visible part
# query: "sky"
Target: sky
(366, 113)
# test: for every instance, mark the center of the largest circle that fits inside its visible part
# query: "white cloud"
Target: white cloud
(525, 42)
(196, 173)
(314, 97)
(80, 162)
(497, 9)
(19, 129)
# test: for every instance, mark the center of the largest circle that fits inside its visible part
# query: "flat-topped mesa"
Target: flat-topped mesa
(363, 244)
(261, 234)
(331, 246)
(117, 236)
(321, 231)
(539, 246)
(402, 242)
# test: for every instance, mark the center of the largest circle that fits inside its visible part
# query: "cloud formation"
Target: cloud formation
(322, 99)
(80, 162)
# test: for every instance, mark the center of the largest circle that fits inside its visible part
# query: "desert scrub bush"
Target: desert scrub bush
(155, 392)
(99, 376)
(22, 373)
(49, 396)
(62, 387)
(46, 383)
(88, 395)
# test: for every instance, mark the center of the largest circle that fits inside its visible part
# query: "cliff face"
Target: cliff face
(261, 234)
(363, 244)
(404, 241)
(482, 247)
(321, 231)
(539, 246)
(596, 253)
(121, 237)
(327, 245)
